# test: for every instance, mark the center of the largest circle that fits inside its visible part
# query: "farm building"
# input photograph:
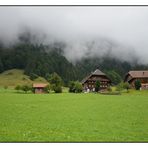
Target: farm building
(39, 88)
(90, 81)
(132, 76)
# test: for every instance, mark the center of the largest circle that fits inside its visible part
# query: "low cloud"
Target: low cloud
(120, 32)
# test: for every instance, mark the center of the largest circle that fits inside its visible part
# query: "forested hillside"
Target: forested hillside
(42, 60)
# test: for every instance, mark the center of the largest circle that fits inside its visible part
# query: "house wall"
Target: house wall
(144, 83)
(39, 90)
(90, 83)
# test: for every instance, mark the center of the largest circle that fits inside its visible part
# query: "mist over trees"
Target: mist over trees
(38, 59)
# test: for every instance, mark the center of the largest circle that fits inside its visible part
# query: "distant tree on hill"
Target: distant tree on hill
(137, 84)
(114, 76)
(33, 76)
(1, 66)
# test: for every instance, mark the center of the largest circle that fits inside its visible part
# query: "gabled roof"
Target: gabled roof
(96, 72)
(39, 85)
(138, 74)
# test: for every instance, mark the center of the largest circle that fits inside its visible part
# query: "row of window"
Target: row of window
(103, 86)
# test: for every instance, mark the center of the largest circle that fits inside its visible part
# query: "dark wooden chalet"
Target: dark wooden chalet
(90, 81)
(132, 76)
(39, 88)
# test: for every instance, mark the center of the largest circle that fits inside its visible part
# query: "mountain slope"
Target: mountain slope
(14, 77)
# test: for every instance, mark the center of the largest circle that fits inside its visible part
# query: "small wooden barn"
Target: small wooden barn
(39, 88)
(132, 76)
(90, 81)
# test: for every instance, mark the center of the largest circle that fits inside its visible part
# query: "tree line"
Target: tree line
(42, 60)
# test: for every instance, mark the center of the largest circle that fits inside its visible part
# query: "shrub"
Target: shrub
(18, 87)
(97, 86)
(26, 88)
(78, 87)
(75, 87)
(57, 88)
(54, 79)
(72, 86)
(120, 87)
(47, 89)
(126, 86)
(137, 84)
(56, 82)
(5, 87)
(23, 78)
(109, 89)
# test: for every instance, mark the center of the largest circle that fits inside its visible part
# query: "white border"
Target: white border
(74, 2)
(74, 145)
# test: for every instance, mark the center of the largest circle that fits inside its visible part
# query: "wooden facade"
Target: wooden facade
(132, 76)
(90, 81)
(39, 88)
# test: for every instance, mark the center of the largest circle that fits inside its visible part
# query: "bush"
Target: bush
(5, 87)
(137, 84)
(23, 78)
(54, 79)
(47, 89)
(56, 82)
(75, 87)
(109, 89)
(120, 87)
(57, 88)
(78, 87)
(126, 86)
(26, 88)
(71, 86)
(97, 86)
(18, 87)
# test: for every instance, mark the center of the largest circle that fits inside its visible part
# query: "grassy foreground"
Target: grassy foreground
(73, 117)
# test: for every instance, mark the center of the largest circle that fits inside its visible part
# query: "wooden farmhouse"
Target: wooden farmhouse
(39, 88)
(90, 81)
(132, 76)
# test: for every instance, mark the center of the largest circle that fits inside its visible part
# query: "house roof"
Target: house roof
(39, 85)
(138, 74)
(96, 72)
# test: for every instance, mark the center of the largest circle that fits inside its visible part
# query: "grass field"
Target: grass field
(73, 117)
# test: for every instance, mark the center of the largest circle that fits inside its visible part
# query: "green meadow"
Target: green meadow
(69, 117)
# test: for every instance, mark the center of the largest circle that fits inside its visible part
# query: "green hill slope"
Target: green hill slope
(14, 77)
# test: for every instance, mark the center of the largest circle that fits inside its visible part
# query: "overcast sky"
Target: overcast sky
(127, 27)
